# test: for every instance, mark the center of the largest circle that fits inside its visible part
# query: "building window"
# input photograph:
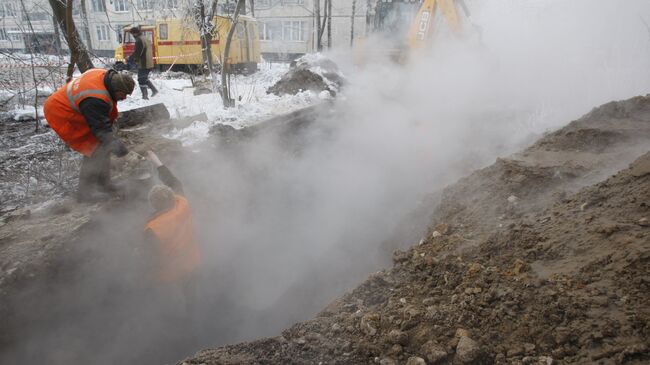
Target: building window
(98, 6)
(3, 35)
(293, 31)
(263, 4)
(145, 4)
(162, 31)
(36, 15)
(102, 33)
(8, 10)
(170, 4)
(270, 31)
(292, 2)
(15, 34)
(121, 5)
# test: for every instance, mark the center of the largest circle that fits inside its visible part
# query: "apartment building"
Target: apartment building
(287, 27)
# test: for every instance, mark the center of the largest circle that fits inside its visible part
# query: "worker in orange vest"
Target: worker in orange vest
(170, 233)
(82, 113)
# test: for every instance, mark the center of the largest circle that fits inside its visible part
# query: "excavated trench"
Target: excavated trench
(274, 251)
(83, 294)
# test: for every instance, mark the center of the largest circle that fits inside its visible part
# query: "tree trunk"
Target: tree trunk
(354, 13)
(319, 45)
(205, 31)
(225, 66)
(86, 29)
(368, 4)
(57, 35)
(322, 24)
(30, 47)
(78, 53)
(329, 24)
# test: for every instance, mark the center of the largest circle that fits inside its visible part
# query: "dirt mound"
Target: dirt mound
(541, 258)
(309, 74)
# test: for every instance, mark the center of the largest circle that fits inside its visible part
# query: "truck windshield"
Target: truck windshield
(128, 38)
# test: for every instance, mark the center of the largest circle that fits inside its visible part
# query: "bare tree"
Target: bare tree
(368, 16)
(86, 28)
(204, 21)
(30, 47)
(225, 66)
(329, 23)
(354, 13)
(321, 22)
(78, 52)
(319, 33)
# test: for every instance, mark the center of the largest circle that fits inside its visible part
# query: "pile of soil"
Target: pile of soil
(541, 258)
(304, 74)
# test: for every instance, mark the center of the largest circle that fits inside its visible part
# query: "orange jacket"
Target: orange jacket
(178, 252)
(62, 112)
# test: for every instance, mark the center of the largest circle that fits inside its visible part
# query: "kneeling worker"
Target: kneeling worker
(82, 113)
(170, 233)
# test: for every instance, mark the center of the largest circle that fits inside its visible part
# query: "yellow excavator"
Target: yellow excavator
(420, 30)
(409, 25)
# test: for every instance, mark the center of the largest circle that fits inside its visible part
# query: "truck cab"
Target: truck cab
(125, 50)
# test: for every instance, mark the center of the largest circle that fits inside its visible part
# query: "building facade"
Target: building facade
(287, 27)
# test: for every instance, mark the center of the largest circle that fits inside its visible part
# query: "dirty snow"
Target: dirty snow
(253, 103)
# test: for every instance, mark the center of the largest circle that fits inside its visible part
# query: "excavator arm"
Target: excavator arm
(420, 30)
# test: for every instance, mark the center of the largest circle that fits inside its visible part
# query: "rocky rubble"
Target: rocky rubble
(541, 258)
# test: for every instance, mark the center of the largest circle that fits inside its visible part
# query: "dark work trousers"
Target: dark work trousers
(143, 77)
(95, 172)
(144, 82)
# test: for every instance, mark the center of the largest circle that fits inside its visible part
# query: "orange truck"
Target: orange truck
(177, 44)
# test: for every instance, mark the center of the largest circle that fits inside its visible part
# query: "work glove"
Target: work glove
(118, 148)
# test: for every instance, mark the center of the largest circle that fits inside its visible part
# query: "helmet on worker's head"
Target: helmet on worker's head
(135, 30)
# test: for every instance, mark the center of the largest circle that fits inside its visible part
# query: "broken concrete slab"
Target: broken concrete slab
(149, 113)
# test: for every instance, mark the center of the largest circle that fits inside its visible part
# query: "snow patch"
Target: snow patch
(196, 132)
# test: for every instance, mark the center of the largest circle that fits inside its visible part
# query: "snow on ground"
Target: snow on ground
(253, 103)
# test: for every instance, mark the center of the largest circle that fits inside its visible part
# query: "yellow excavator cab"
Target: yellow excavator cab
(406, 26)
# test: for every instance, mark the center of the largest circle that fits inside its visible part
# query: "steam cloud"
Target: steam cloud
(285, 231)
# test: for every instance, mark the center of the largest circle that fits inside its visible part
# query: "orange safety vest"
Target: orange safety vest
(178, 252)
(62, 112)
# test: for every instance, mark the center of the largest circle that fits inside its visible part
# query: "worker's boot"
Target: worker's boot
(154, 91)
(143, 89)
